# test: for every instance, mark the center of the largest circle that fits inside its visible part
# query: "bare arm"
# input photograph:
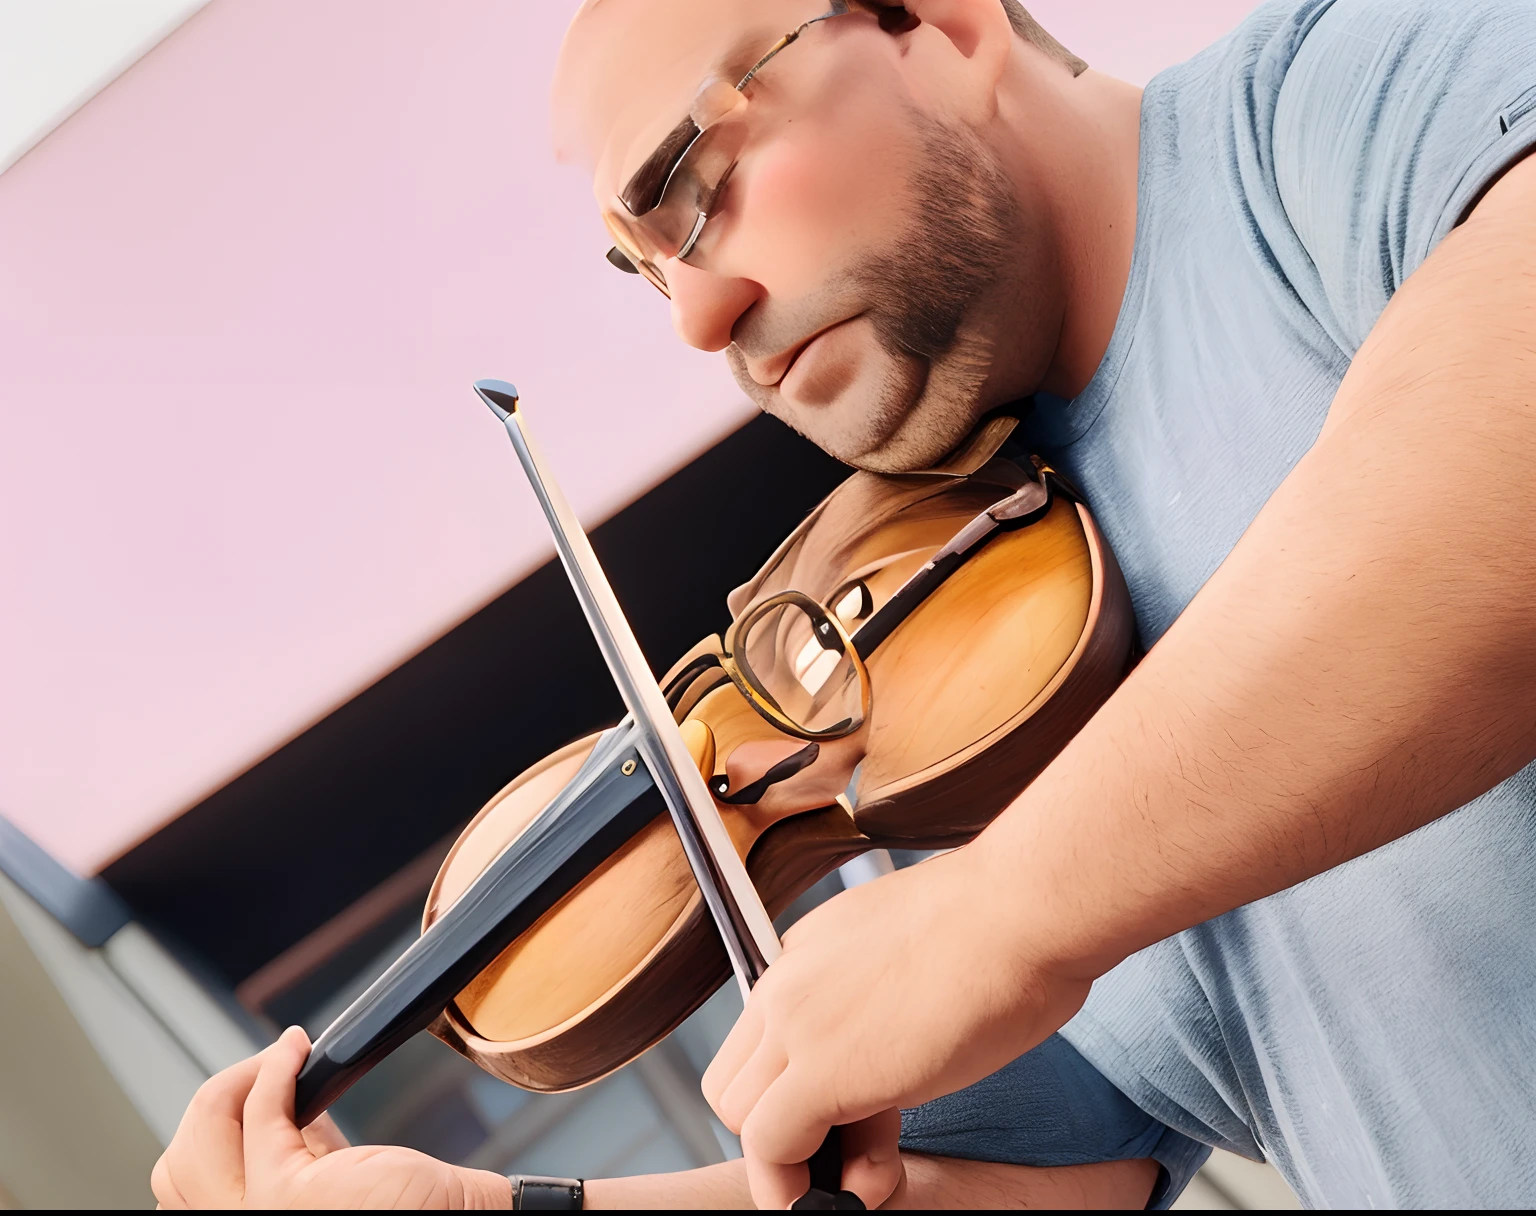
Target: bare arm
(238, 1147)
(929, 1183)
(1361, 664)
(1363, 661)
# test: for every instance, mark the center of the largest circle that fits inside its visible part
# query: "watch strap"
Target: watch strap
(533, 1193)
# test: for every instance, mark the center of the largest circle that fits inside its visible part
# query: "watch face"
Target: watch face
(533, 1194)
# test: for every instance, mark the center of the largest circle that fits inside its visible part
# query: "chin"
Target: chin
(868, 424)
(917, 436)
(848, 430)
(913, 444)
(905, 418)
(909, 452)
(937, 419)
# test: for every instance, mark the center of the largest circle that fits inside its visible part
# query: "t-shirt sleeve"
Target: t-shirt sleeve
(1393, 119)
(1051, 1107)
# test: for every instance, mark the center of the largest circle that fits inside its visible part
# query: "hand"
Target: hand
(238, 1147)
(891, 994)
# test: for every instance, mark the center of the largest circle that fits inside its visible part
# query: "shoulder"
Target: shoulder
(1386, 74)
(1392, 119)
(1342, 139)
(1251, 61)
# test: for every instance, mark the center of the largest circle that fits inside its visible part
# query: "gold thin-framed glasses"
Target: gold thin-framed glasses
(664, 207)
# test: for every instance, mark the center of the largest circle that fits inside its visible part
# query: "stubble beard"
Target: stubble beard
(965, 225)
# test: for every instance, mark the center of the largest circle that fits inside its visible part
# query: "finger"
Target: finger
(163, 1187)
(789, 1120)
(872, 1157)
(205, 1161)
(778, 1137)
(323, 1136)
(272, 1139)
(774, 1187)
(734, 1052)
(747, 1087)
(871, 1165)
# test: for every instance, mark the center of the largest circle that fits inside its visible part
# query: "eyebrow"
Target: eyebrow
(642, 193)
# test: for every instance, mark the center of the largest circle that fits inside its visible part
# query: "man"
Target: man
(1278, 319)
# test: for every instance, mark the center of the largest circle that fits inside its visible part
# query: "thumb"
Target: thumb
(273, 1142)
(323, 1136)
(872, 1157)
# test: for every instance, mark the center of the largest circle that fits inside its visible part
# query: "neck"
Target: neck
(1088, 131)
(1096, 215)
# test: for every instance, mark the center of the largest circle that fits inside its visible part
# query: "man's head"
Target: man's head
(863, 226)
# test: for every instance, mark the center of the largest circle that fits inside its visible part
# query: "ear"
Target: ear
(893, 16)
(978, 30)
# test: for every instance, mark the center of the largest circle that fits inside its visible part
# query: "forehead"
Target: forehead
(629, 71)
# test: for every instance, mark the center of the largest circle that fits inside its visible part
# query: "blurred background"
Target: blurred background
(277, 612)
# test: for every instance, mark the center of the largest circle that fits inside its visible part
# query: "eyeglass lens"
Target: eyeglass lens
(693, 192)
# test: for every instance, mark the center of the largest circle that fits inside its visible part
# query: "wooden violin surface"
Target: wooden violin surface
(619, 962)
(1038, 661)
(972, 696)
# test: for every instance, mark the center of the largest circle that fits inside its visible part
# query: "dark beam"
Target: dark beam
(288, 844)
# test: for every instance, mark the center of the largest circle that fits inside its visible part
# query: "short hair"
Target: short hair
(1030, 30)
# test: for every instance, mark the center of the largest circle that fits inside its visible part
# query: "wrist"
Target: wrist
(483, 1190)
(1044, 887)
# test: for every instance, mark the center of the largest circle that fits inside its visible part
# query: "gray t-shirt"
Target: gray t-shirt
(1372, 1031)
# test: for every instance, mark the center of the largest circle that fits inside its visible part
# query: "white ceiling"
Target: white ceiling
(55, 55)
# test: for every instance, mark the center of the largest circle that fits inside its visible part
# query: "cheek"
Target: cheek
(817, 202)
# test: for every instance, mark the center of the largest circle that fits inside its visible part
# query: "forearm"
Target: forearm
(1361, 663)
(713, 1186)
(931, 1183)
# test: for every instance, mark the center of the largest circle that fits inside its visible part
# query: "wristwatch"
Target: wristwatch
(531, 1193)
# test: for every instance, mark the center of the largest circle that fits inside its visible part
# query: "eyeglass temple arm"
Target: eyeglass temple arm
(639, 200)
(644, 191)
(840, 8)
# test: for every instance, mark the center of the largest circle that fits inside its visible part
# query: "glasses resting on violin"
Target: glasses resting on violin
(665, 206)
(800, 661)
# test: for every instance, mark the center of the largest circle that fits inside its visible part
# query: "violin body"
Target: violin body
(973, 696)
(623, 960)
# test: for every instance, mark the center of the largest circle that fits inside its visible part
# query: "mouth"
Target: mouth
(772, 371)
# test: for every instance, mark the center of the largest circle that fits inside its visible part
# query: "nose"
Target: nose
(706, 306)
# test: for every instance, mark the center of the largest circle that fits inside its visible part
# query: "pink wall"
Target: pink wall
(1134, 39)
(242, 295)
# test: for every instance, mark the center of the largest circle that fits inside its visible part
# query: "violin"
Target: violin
(900, 668)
